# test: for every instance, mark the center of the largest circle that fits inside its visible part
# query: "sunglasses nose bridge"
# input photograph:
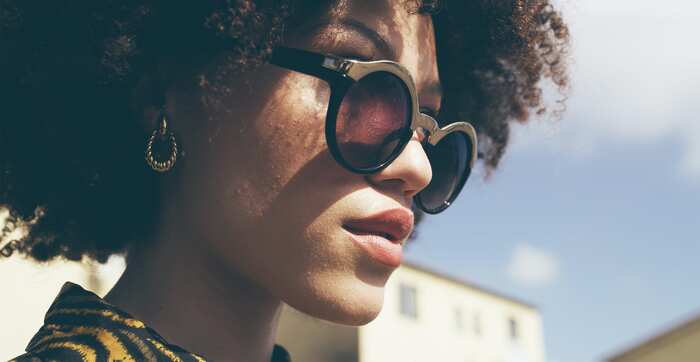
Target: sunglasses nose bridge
(428, 124)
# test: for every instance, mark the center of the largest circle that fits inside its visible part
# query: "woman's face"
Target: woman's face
(258, 189)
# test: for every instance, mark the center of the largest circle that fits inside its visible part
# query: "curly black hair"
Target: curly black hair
(71, 150)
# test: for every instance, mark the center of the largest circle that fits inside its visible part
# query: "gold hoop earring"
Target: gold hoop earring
(161, 134)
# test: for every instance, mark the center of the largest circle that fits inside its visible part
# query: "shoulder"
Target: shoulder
(81, 326)
(65, 352)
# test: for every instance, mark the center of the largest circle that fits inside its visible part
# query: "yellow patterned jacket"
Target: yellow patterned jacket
(81, 326)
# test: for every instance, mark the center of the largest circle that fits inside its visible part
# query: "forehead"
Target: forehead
(397, 21)
(409, 34)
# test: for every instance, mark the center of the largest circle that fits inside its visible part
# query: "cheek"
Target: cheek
(297, 167)
(253, 147)
(291, 127)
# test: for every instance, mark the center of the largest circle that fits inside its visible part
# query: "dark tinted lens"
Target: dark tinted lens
(373, 119)
(449, 160)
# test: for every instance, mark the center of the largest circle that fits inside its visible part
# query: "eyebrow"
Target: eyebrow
(380, 43)
(377, 39)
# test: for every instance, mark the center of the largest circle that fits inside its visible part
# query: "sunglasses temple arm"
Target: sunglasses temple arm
(304, 62)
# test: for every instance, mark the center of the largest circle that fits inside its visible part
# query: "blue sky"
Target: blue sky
(595, 218)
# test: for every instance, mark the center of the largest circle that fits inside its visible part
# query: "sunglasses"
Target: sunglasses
(372, 113)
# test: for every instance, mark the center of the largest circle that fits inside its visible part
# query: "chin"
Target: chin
(351, 302)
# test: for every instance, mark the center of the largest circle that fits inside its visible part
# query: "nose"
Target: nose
(408, 174)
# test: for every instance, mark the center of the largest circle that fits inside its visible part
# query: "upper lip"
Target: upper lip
(394, 224)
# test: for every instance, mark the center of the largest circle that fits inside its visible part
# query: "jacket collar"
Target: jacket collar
(77, 312)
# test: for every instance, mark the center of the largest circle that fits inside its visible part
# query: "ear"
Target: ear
(154, 91)
(146, 102)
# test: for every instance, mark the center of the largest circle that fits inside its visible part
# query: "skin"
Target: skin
(252, 215)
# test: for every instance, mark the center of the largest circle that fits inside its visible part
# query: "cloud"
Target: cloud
(532, 267)
(635, 77)
(690, 165)
(676, 8)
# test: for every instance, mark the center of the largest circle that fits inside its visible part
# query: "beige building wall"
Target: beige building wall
(29, 288)
(484, 334)
(679, 344)
(310, 339)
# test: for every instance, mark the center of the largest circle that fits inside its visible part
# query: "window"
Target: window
(407, 298)
(458, 320)
(477, 324)
(513, 327)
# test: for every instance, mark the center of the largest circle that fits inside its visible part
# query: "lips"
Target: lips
(394, 225)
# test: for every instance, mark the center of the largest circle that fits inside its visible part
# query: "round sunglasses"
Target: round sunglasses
(372, 113)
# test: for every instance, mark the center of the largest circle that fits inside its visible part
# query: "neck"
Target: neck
(196, 303)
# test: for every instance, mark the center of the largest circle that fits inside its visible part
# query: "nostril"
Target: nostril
(420, 135)
(408, 174)
(410, 193)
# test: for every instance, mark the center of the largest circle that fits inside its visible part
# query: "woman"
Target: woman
(281, 163)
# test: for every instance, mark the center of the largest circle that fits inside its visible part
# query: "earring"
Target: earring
(159, 135)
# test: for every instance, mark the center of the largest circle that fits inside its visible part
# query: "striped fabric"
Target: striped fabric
(81, 326)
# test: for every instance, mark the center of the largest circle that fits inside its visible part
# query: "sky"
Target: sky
(594, 218)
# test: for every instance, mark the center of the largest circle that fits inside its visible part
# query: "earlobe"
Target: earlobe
(143, 103)
(153, 93)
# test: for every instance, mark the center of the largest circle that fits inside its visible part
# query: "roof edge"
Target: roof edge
(661, 336)
(443, 275)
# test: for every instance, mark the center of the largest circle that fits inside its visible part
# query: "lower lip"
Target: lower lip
(379, 248)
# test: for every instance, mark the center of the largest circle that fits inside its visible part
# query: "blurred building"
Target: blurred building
(680, 343)
(29, 288)
(427, 316)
